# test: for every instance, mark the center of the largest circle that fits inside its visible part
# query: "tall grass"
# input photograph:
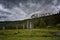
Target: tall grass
(29, 34)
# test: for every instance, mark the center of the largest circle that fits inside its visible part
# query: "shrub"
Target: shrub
(15, 33)
(49, 26)
(58, 25)
(1, 33)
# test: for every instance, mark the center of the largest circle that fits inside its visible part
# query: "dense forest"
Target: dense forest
(51, 21)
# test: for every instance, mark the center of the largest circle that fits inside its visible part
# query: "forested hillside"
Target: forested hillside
(51, 21)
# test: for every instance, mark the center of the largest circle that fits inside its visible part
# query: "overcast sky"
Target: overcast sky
(12, 10)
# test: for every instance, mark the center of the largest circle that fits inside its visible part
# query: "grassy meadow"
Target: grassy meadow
(30, 34)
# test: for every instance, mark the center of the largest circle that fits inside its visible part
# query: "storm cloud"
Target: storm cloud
(12, 10)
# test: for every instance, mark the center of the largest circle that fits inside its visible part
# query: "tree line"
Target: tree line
(50, 21)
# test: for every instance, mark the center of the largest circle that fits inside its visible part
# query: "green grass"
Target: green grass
(30, 38)
(29, 34)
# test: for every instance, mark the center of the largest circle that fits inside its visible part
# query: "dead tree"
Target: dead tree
(27, 24)
(3, 28)
(23, 26)
(17, 27)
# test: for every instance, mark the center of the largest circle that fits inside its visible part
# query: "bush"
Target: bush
(1, 33)
(49, 26)
(58, 25)
(15, 33)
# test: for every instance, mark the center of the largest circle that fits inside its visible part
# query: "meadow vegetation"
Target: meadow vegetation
(30, 34)
(43, 28)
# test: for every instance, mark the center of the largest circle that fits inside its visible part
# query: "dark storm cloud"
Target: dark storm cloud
(23, 9)
(9, 3)
(12, 3)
